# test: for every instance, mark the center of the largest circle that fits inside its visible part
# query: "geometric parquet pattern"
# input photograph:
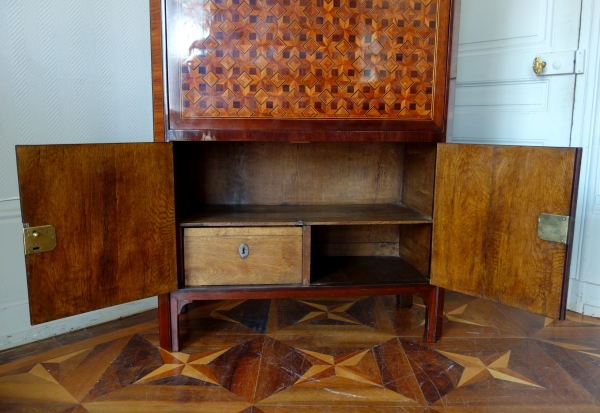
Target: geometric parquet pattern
(355, 354)
(358, 59)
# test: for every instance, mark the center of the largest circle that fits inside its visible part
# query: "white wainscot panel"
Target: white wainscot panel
(13, 283)
(522, 96)
(495, 67)
(492, 23)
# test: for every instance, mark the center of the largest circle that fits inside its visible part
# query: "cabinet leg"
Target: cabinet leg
(164, 321)
(404, 300)
(434, 316)
(174, 304)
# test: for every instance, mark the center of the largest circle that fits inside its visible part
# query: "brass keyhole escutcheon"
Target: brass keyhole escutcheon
(243, 250)
(538, 65)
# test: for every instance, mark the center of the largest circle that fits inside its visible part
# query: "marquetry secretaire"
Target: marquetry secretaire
(302, 155)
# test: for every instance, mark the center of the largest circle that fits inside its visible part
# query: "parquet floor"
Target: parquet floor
(357, 354)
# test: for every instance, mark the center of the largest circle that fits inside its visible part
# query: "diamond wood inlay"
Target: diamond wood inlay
(305, 58)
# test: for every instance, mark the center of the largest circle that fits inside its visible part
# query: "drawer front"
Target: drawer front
(213, 256)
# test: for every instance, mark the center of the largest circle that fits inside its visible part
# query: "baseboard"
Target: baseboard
(18, 314)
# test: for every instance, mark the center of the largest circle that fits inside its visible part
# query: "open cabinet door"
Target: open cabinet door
(488, 202)
(113, 210)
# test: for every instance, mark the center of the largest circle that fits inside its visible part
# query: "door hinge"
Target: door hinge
(39, 239)
(554, 228)
(579, 61)
(560, 63)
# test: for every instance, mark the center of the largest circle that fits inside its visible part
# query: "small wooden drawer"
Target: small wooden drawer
(213, 256)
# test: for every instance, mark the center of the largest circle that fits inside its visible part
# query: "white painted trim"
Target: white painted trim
(10, 209)
(584, 135)
(65, 325)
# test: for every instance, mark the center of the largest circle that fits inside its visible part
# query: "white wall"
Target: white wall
(71, 71)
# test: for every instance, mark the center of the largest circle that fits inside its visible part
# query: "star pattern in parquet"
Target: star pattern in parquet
(304, 59)
(351, 354)
(477, 370)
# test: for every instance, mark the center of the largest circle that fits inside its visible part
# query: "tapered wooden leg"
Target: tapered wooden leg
(404, 300)
(435, 313)
(164, 321)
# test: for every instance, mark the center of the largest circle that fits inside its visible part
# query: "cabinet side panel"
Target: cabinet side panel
(419, 177)
(158, 93)
(113, 210)
(415, 246)
(460, 217)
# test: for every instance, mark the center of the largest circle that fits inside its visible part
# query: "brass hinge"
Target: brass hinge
(554, 228)
(39, 239)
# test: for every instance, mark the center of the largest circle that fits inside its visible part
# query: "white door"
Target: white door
(499, 99)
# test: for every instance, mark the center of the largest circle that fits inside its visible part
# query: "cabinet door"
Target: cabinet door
(488, 200)
(112, 206)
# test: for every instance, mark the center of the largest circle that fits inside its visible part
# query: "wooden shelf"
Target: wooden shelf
(372, 270)
(278, 215)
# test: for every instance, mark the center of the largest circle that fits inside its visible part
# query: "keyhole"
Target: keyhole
(243, 250)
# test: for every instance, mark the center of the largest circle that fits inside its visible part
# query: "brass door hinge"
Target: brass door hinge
(39, 239)
(554, 228)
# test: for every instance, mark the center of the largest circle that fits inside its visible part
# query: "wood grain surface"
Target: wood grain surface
(355, 240)
(212, 258)
(364, 271)
(113, 209)
(158, 80)
(487, 203)
(276, 215)
(419, 177)
(414, 245)
(280, 173)
(306, 253)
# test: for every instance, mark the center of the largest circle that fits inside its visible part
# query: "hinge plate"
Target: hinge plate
(39, 239)
(554, 228)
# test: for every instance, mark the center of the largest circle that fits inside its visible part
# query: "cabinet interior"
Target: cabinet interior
(368, 205)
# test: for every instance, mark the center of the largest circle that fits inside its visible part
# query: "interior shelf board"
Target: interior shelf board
(370, 270)
(274, 215)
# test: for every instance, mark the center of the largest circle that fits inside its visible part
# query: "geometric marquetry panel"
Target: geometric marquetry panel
(303, 59)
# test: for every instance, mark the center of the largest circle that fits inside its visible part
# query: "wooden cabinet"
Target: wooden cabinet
(263, 189)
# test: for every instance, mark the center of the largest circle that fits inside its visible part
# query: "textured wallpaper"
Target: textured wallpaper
(72, 71)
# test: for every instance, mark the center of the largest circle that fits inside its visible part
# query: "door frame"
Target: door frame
(584, 133)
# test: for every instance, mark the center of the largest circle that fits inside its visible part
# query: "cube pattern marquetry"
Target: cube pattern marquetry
(306, 58)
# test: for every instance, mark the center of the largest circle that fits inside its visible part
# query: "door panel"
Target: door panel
(499, 99)
(487, 203)
(113, 209)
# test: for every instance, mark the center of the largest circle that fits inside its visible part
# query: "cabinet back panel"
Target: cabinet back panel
(259, 173)
(359, 240)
